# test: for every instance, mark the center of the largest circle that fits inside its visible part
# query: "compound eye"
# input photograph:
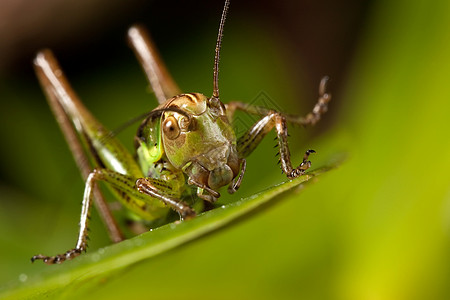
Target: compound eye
(170, 128)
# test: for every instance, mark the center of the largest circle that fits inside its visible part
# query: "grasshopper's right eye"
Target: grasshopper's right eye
(170, 128)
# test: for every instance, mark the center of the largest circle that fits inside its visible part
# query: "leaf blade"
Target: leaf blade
(149, 244)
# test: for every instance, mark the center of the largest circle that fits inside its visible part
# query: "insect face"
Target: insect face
(203, 145)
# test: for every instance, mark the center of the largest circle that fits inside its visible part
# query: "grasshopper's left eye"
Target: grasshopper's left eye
(170, 128)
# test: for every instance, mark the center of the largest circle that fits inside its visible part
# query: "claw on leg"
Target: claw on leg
(319, 109)
(60, 258)
(305, 165)
(234, 186)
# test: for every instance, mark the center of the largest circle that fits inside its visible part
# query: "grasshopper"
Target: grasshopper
(185, 146)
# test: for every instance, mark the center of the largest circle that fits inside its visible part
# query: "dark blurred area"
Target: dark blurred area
(319, 34)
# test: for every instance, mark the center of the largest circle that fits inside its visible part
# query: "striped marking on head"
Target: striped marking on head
(192, 103)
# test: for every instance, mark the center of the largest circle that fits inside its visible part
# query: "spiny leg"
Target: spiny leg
(148, 186)
(83, 231)
(310, 119)
(250, 140)
(285, 156)
(58, 91)
(124, 184)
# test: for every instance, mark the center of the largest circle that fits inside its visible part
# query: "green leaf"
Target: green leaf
(105, 261)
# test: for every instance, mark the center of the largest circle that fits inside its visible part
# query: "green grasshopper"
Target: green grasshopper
(185, 146)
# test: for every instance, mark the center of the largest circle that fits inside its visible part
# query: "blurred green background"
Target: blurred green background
(375, 228)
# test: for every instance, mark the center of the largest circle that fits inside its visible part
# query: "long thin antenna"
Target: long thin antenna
(218, 44)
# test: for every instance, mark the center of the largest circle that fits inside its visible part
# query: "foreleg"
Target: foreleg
(251, 139)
